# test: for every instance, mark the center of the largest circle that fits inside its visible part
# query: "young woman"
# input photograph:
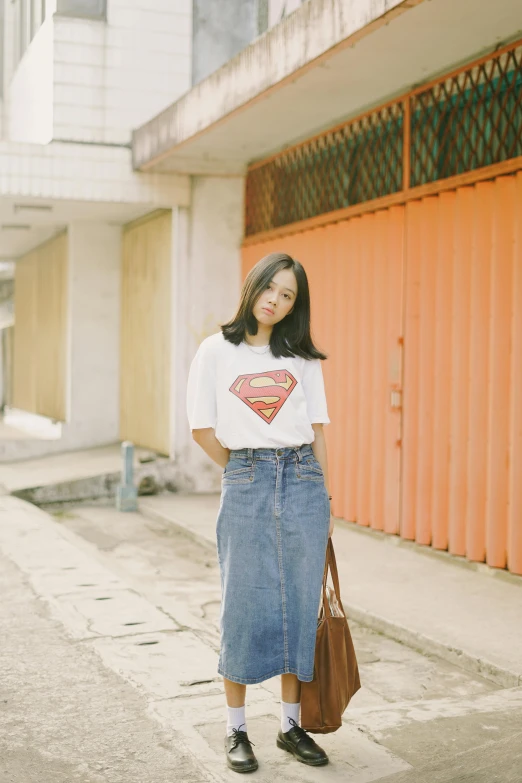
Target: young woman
(256, 405)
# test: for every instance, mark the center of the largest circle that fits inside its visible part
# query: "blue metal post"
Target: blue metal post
(127, 494)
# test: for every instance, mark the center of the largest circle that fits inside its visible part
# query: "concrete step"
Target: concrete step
(82, 475)
(466, 613)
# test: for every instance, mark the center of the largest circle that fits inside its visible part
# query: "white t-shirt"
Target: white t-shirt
(252, 399)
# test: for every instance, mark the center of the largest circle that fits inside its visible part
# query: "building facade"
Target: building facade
(381, 143)
(78, 76)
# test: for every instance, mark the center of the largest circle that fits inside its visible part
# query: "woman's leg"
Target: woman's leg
(235, 693)
(292, 736)
(290, 688)
(238, 748)
(236, 710)
(290, 701)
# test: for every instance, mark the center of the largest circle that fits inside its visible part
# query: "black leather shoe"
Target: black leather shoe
(239, 753)
(303, 747)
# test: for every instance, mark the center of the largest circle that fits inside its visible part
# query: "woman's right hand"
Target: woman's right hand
(206, 438)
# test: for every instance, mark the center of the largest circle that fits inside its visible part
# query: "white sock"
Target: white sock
(236, 719)
(288, 711)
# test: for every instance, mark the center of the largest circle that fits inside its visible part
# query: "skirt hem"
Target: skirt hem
(275, 673)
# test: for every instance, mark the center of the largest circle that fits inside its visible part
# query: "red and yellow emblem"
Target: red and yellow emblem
(265, 392)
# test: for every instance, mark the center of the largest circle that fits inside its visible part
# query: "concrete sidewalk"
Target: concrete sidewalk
(92, 593)
(466, 613)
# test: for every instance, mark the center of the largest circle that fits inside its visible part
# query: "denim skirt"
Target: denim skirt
(272, 532)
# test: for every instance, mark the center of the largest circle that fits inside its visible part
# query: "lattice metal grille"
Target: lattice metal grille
(360, 161)
(469, 120)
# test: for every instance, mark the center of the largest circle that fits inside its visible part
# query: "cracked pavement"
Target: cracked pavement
(110, 640)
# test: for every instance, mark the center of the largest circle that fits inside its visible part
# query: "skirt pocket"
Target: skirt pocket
(309, 469)
(238, 471)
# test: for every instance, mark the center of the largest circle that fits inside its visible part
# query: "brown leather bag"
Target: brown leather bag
(336, 674)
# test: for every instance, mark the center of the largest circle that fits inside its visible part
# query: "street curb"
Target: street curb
(73, 491)
(428, 646)
(150, 478)
(399, 633)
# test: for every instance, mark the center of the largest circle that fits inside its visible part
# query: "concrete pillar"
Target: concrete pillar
(207, 281)
(94, 333)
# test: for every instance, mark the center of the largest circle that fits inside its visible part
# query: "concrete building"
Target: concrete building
(78, 76)
(97, 244)
(378, 140)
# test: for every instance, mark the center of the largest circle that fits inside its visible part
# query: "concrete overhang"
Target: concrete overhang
(328, 61)
(43, 188)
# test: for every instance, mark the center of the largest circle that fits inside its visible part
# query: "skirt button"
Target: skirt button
(279, 452)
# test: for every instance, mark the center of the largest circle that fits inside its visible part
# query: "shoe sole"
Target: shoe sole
(242, 769)
(310, 763)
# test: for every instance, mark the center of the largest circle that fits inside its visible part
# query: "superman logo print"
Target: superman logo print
(265, 392)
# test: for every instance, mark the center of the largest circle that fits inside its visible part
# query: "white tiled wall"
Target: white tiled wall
(94, 81)
(30, 91)
(84, 173)
(110, 77)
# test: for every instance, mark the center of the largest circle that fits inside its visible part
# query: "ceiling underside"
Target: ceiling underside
(26, 223)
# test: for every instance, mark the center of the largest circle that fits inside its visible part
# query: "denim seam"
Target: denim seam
(226, 481)
(283, 594)
(314, 474)
(243, 453)
(275, 673)
(282, 579)
(242, 475)
(248, 469)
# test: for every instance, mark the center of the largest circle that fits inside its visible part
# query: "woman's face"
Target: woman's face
(278, 298)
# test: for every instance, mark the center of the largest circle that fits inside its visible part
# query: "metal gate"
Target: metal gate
(461, 486)
(146, 332)
(355, 274)
(40, 362)
(439, 278)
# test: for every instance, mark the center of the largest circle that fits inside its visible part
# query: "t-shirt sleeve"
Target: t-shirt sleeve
(313, 385)
(201, 390)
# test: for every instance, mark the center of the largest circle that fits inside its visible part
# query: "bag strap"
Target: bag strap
(326, 604)
(332, 563)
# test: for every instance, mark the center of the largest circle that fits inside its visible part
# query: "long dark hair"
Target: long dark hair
(291, 336)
